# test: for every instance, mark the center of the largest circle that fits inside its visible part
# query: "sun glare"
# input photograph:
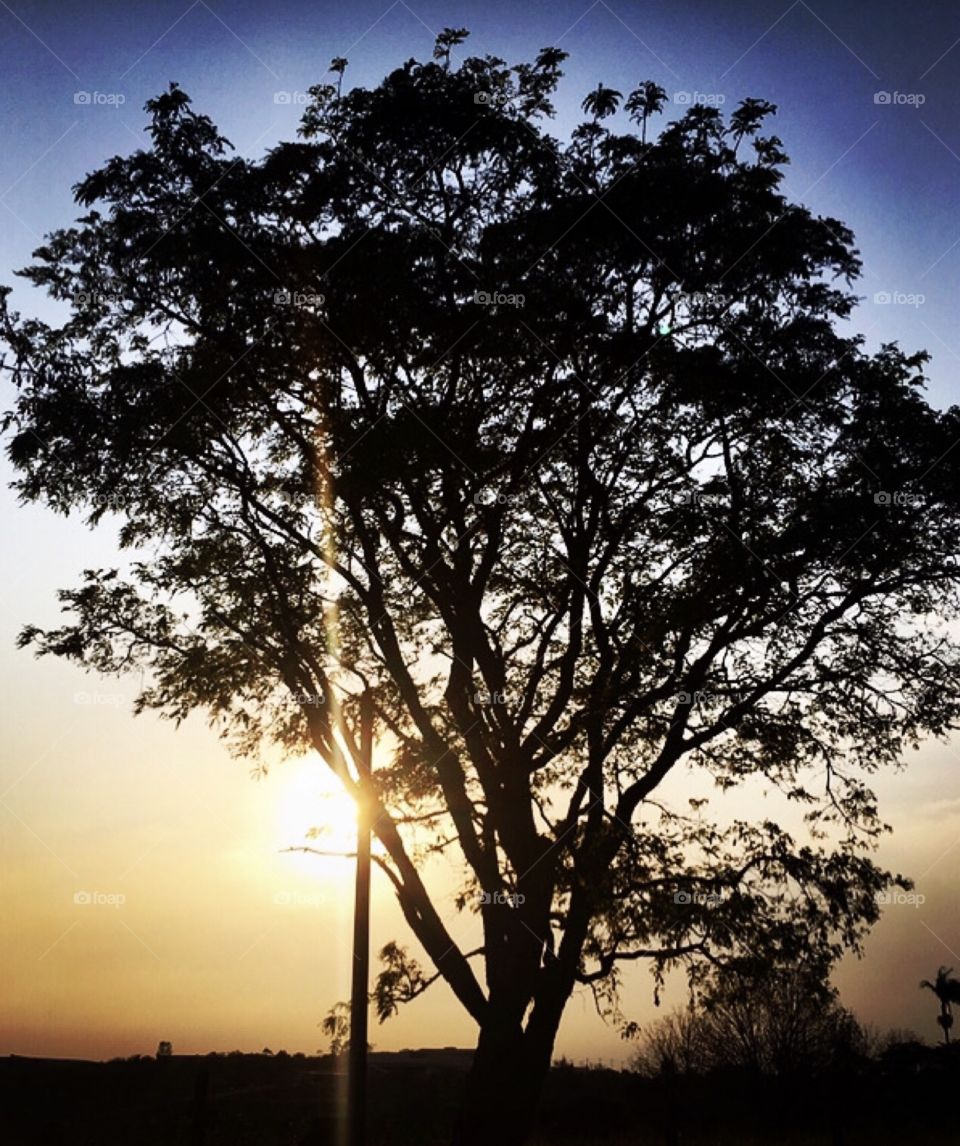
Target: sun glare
(307, 797)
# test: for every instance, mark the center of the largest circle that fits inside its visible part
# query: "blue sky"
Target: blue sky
(890, 170)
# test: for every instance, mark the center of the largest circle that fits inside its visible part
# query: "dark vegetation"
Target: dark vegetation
(896, 1095)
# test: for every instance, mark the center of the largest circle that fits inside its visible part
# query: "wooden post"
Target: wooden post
(357, 1062)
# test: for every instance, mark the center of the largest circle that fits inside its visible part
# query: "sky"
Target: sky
(144, 890)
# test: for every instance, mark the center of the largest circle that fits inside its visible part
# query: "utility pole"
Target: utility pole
(357, 1062)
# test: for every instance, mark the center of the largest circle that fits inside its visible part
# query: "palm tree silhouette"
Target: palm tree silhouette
(947, 991)
(647, 100)
(601, 102)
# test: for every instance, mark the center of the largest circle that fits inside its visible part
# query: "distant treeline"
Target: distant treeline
(884, 1094)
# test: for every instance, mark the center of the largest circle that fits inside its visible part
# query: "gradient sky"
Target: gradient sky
(222, 941)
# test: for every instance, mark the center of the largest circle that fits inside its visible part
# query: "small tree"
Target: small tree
(552, 448)
(674, 1045)
(771, 1022)
(947, 990)
(336, 1026)
(164, 1049)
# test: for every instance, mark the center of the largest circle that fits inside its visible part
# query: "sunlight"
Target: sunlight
(305, 797)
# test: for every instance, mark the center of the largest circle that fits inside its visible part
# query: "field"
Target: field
(281, 1100)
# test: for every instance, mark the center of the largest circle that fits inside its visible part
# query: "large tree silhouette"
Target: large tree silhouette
(558, 450)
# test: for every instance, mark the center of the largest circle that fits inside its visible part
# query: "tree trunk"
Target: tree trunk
(502, 1090)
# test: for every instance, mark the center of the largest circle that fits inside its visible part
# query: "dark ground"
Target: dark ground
(293, 1101)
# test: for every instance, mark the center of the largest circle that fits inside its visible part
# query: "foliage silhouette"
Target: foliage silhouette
(554, 447)
(778, 1022)
(947, 990)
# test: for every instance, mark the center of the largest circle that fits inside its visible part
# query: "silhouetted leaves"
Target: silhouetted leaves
(558, 449)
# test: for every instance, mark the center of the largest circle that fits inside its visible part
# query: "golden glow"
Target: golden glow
(306, 796)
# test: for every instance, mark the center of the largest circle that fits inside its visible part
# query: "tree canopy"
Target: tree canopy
(557, 448)
(771, 1021)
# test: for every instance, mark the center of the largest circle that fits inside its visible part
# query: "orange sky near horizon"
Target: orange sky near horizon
(145, 894)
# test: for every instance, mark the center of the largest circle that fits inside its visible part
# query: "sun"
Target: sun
(306, 797)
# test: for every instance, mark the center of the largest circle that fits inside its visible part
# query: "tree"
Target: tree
(164, 1049)
(336, 1026)
(769, 1021)
(947, 990)
(673, 1045)
(602, 102)
(553, 448)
